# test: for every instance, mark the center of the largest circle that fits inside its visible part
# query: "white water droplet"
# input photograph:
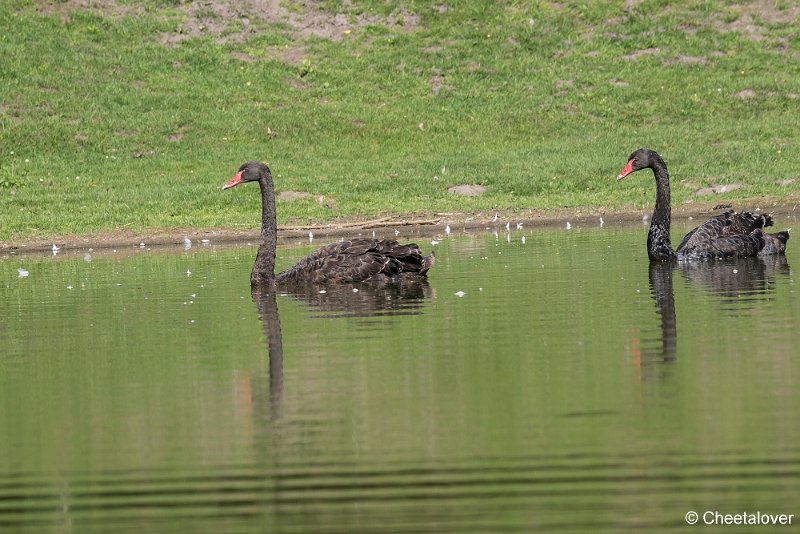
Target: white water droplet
(459, 294)
(188, 273)
(310, 237)
(22, 273)
(87, 258)
(519, 226)
(447, 229)
(569, 226)
(523, 240)
(434, 242)
(508, 226)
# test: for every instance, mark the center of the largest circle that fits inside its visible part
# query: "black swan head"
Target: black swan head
(252, 171)
(640, 159)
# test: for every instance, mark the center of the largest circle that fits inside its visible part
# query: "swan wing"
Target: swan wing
(724, 225)
(725, 247)
(358, 260)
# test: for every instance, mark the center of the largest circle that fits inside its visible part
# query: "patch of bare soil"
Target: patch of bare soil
(297, 83)
(233, 20)
(686, 60)
(290, 196)
(109, 8)
(633, 56)
(242, 56)
(437, 83)
(177, 135)
(467, 190)
(749, 18)
(717, 189)
(10, 111)
(291, 55)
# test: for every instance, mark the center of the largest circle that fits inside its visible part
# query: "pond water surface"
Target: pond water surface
(540, 380)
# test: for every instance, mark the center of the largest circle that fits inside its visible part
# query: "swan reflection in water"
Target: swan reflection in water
(736, 280)
(397, 296)
(266, 302)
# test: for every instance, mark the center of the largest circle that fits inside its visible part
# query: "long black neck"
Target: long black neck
(659, 246)
(264, 268)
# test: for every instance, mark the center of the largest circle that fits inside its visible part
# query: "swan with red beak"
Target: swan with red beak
(727, 235)
(346, 261)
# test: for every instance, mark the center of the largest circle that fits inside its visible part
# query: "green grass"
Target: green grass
(103, 127)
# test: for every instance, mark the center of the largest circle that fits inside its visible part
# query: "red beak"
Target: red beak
(236, 180)
(626, 171)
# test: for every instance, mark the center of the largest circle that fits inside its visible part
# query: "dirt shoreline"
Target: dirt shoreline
(404, 227)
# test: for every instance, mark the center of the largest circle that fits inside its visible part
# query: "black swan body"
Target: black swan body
(356, 260)
(727, 235)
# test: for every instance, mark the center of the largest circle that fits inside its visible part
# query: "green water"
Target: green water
(569, 387)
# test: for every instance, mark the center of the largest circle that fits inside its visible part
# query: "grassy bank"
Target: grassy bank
(131, 115)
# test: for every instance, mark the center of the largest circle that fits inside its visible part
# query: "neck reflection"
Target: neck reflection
(736, 282)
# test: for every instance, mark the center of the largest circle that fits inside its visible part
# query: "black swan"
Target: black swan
(356, 260)
(727, 235)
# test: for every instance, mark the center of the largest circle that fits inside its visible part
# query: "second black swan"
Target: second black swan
(727, 235)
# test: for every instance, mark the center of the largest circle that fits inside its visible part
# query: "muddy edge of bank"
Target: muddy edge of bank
(404, 228)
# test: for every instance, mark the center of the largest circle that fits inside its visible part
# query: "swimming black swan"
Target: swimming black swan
(727, 235)
(356, 260)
